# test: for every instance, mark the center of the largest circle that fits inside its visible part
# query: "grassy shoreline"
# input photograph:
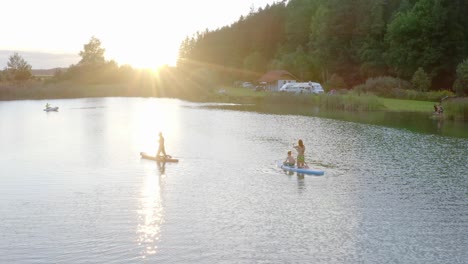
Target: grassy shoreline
(401, 105)
(350, 101)
(385, 104)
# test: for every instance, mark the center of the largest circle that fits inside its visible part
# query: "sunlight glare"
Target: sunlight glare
(151, 214)
(146, 56)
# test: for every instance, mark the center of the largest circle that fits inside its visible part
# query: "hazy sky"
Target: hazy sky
(143, 33)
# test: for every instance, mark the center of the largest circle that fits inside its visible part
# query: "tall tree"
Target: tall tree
(92, 53)
(371, 49)
(337, 32)
(319, 48)
(93, 67)
(18, 68)
(299, 15)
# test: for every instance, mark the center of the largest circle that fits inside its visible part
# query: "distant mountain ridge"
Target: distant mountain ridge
(41, 60)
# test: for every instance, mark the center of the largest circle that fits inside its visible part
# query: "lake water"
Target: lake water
(73, 188)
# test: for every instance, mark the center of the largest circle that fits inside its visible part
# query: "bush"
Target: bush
(420, 81)
(382, 86)
(433, 96)
(456, 108)
(400, 89)
(461, 84)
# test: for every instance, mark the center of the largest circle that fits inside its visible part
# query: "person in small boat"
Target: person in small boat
(300, 148)
(47, 105)
(161, 148)
(290, 161)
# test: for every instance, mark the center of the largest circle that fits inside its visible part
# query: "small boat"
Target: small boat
(300, 170)
(166, 158)
(49, 109)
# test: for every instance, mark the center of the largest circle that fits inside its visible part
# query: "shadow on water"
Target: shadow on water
(161, 167)
(425, 123)
(301, 186)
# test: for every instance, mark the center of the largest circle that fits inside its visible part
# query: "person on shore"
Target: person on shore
(441, 109)
(300, 148)
(161, 148)
(438, 109)
(290, 161)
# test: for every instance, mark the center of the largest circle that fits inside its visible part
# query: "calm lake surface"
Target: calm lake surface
(73, 188)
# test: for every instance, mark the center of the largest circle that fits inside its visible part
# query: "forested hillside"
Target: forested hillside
(352, 40)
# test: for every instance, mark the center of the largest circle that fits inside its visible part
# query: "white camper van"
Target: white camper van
(303, 87)
(316, 88)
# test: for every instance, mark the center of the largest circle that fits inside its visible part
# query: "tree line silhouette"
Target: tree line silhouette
(352, 39)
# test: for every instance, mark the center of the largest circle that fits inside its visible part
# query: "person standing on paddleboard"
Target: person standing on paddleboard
(300, 148)
(161, 148)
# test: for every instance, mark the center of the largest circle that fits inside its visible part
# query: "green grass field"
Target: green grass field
(407, 105)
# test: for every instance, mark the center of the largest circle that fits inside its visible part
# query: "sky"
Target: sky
(142, 33)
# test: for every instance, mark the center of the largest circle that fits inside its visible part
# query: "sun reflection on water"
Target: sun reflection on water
(151, 213)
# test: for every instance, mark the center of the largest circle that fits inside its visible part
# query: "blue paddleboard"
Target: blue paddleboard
(300, 170)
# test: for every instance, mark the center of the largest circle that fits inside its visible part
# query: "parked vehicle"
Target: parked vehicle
(288, 87)
(247, 85)
(303, 87)
(316, 88)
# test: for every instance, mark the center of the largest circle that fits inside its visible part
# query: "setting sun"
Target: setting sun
(152, 55)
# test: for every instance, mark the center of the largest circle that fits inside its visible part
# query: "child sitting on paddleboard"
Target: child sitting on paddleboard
(290, 161)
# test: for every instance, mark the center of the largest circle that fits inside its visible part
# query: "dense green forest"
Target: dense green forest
(348, 40)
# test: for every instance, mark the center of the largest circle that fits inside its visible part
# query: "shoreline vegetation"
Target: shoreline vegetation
(349, 101)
